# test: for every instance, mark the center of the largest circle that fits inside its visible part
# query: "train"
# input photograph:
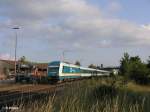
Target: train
(58, 71)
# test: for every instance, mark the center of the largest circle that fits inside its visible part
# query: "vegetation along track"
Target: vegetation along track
(28, 91)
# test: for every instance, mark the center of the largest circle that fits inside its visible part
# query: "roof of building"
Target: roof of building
(11, 62)
(41, 65)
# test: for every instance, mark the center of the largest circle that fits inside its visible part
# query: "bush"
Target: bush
(135, 69)
(139, 73)
(91, 96)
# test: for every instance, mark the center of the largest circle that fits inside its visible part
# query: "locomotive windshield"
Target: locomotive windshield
(53, 69)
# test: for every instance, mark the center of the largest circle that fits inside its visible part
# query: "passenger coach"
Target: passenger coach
(58, 70)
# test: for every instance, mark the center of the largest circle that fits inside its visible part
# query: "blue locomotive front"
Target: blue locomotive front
(53, 71)
(62, 71)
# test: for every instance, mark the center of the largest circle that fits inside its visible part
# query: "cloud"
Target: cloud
(116, 32)
(146, 26)
(29, 11)
(73, 24)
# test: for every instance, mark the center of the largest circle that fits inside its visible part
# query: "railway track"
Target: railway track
(25, 93)
(29, 91)
(10, 87)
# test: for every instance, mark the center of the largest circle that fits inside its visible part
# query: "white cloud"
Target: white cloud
(73, 23)
(117, 32)
(146, 26)
(32, 11)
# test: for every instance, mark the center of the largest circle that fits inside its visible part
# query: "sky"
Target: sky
(91, 31)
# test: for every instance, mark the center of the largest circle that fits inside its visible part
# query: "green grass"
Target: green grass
(94, 95)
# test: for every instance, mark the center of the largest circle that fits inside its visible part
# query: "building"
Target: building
(41, 68)
(7, 68)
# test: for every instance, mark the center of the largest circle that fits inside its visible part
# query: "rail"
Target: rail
(30, 91)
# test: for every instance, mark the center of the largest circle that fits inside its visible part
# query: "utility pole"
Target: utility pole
(63, 54)
(16, 42)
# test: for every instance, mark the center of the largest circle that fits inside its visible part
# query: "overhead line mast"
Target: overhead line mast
(16, 42)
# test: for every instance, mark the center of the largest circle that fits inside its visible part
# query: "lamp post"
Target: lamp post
(16, 42)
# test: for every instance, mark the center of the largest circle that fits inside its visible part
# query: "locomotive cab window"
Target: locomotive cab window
(53, 69)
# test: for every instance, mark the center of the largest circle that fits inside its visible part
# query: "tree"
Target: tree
(92, 66)
(139, 72)
(133, 68)
(125, 66)
(135, 59)
(78, 63)
(23, 60)
(148, 63)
